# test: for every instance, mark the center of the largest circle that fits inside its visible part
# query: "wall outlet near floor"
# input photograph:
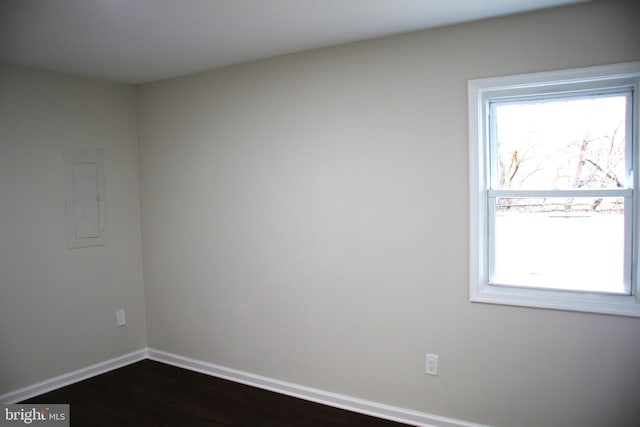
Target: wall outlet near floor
(121, 320)
(431, 364)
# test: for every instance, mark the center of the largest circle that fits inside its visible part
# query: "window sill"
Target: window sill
(621, 305)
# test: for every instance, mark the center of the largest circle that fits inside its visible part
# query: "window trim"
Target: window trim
(547, 84)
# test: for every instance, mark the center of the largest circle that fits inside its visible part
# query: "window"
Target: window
(554, 213)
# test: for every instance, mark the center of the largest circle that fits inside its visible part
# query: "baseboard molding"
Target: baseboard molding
(379, 410)
(72, 377)
(402, 415)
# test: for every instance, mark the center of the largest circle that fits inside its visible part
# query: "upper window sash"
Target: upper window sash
(490, 123)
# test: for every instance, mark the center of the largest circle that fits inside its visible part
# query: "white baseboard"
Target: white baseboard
(361, 406)
(72, 377)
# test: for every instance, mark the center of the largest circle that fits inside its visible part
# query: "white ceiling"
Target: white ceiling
(137, 41)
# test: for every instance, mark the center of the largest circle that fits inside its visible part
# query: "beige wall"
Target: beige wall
(57, 306)
(306, 218)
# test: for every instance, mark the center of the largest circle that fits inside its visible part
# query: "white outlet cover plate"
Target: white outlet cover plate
(431, 364)
(120, 318)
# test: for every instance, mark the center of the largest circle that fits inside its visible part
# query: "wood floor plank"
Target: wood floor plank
(150, 393)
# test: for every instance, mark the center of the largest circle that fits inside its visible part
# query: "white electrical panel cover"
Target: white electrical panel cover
(84, 194)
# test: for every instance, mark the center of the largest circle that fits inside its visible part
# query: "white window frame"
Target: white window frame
(548, 84)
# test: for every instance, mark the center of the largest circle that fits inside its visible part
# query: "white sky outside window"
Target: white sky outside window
(547, 137)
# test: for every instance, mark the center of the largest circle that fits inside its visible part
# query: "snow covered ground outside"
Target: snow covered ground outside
(582, 252)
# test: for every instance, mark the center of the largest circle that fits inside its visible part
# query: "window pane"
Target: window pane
(561, 144)
(560, 243)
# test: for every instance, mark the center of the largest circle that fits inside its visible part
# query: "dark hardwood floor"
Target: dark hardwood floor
(150, 393)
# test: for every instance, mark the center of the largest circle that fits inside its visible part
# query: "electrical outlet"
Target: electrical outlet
(431, 364)
(120, 318)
